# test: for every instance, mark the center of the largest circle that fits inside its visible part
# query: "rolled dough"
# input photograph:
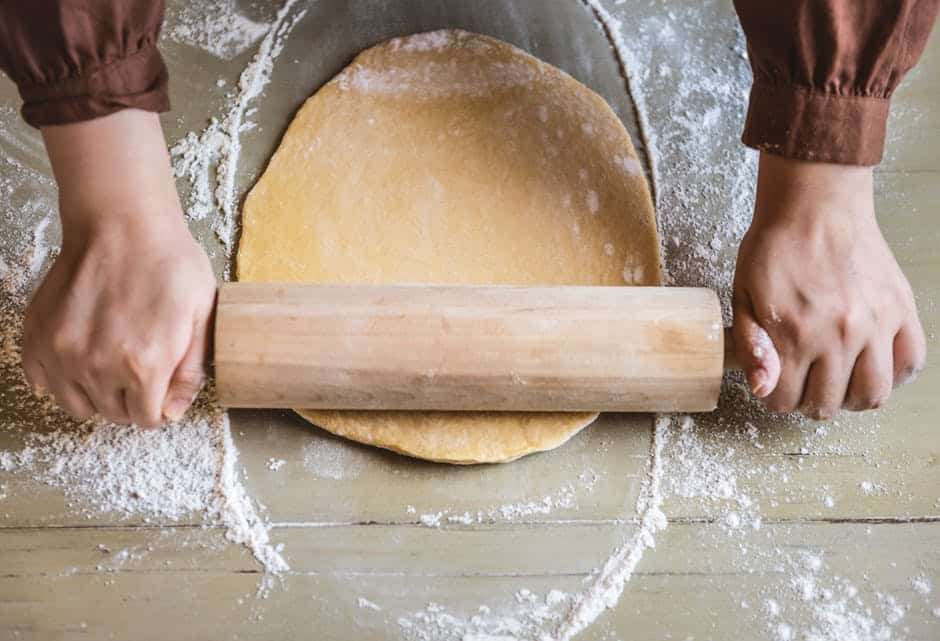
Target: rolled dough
(451, 157)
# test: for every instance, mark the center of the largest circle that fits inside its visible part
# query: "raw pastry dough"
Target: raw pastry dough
(450, 157)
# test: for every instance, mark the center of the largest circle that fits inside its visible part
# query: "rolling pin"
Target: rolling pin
(368, 347)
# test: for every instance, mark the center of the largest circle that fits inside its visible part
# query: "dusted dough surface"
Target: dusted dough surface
(450, 157)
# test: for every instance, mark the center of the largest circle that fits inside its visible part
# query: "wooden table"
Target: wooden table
(350, 518)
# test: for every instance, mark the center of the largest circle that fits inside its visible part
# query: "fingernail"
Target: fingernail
(759, 382)
(906, 376)
(175, 409)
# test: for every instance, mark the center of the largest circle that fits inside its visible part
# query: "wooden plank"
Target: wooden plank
(161, 589)
(601, 469)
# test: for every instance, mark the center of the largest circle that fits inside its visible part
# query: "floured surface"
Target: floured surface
(449, 157)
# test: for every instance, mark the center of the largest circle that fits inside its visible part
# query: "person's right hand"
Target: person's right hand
(824, 318)
(119, 326)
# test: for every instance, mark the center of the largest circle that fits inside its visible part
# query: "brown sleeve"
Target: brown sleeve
(76, 60)
(824, 72)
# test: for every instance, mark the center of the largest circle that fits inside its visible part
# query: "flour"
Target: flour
(214, 26)
(556, 616)
(435, 79)
(837, 611)
(921, 584)
(330, 459)
(563, 498)
(181, 470)
(430, 41)
(365, 603)
(211, 157)
(696, 170)
(606, 588)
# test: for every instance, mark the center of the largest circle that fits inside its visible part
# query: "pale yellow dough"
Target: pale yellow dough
(451, 157)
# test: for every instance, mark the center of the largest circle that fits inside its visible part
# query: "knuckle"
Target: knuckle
(188, 379)
(140, 363)
(65, 344)
(97, 363)
(850, 326)
(796, 329)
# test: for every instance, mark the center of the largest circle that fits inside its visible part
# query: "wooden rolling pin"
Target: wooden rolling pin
(371, 347)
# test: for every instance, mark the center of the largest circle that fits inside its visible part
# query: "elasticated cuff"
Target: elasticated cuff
(796, 122)
(138, 81)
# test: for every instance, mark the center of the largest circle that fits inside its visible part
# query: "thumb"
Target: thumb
(189, 375)
(755, 351)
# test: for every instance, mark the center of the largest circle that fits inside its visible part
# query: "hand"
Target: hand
(823, 316)
(119, 326)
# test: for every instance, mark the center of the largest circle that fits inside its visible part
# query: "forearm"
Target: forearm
(120, 159)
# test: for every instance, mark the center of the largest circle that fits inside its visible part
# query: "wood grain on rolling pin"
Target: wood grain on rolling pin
(468, 347)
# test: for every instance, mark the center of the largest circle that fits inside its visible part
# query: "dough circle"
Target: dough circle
(451, 157)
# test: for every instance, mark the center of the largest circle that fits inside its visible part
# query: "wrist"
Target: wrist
(113, 172)
(801, 191)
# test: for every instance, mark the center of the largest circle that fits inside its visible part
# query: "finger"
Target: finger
(788, 393)
(144, 395)
(910, 353)
(109, 403)
(872, 379)
(826, 384)
(71, 398)
(188, 377)
(34, 371)
(755, 350)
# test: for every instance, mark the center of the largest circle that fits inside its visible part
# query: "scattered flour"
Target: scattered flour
(211, 157)
(430, 41)
(830, 609)
(435, 78)
(593, 201)
(558, 616)
(688, 94)
(564, 498)
(921, 584)
(868, 488)
(180, 470)
(331, 459)
(214, 26)
(365, 603)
